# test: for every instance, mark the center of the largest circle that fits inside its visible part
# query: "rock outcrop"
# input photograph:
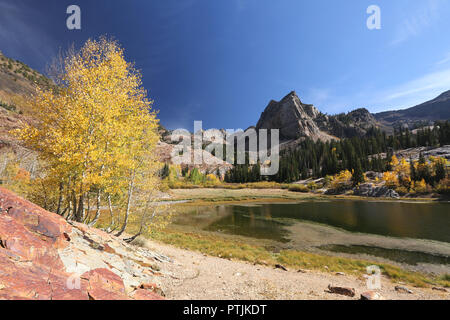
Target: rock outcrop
(293, 118)
(210, 164)
(44, 257)
(297, 120)
(347, 125)
(369, 190)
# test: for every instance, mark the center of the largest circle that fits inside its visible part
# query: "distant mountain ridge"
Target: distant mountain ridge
(297, 120)
(430, 111)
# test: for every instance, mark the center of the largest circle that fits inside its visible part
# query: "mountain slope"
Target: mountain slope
(436, 109)
(17, 79)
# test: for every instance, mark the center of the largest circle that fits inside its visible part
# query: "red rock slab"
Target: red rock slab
(30, 265)
(21, 279)
(36, 220)
(68, 287)
(15, 237)
(104, 284)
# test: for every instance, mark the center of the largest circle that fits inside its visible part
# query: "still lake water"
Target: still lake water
(430, 221)
(395, 219)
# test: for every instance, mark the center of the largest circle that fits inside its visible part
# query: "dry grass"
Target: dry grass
(290, 258)
(207, 195)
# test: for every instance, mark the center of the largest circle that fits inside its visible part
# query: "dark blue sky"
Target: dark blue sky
(223, 61)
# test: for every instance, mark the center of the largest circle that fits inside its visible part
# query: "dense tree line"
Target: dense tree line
(356, 154)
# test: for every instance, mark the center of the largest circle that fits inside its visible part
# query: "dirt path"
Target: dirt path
(194, 276)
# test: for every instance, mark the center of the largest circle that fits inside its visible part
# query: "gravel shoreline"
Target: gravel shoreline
(195, 276)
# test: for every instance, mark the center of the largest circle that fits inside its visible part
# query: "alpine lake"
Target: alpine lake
(415, 235)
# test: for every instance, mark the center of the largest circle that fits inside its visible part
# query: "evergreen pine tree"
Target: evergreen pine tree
(358, 174)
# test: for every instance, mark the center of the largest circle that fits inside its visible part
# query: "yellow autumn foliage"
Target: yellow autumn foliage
(96, 132)
(420, 186)
(394, 161)
(390, 178)
(212, 179)
(342, 180)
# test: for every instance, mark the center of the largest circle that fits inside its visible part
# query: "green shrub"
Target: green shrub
(6, 106)
(196, 177)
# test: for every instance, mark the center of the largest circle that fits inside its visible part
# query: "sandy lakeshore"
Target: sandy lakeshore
(195, 276)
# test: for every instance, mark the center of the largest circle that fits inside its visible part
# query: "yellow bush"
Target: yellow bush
(435, 160)
(394, 161)
(390, 178)
(342, 180)
(420, 186)
(212, 179)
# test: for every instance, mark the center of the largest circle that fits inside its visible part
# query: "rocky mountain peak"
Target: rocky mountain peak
(296, 120)
(293, 118)
(362, 116)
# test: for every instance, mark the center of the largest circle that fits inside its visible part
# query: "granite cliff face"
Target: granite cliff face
(297, 120)
(293, 118)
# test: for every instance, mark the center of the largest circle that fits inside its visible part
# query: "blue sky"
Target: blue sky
(223, 61)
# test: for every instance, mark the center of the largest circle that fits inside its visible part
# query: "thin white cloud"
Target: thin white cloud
(428, 13)
(431, 83)
(444, 60)
(401, 96)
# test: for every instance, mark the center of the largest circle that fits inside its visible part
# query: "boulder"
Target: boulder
(350, 292)
(369, 190)
(439, 289)
(371, 295)
(281, 267)
(403, 290)
(374, 175)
